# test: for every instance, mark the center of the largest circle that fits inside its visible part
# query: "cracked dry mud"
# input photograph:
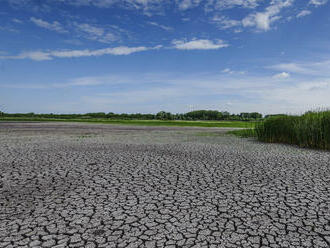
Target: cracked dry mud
(91, 185)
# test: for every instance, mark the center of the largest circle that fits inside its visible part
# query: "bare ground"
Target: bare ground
(93, 185)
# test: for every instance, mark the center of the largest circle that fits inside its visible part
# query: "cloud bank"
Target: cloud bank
(200, 44)
(49, 55)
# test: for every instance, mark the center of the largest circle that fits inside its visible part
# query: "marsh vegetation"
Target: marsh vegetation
(310, 130)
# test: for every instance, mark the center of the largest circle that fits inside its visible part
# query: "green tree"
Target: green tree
(162, 115)
(255, 115)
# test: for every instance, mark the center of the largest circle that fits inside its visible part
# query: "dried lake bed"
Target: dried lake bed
(95, 185)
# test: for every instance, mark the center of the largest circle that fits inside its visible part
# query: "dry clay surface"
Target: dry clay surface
(90, 185)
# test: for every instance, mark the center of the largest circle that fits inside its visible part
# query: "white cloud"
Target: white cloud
(49, 55)
(238, 30)
(93, 32)
(17, 20)
(54, 26)
(225, 23)
(225, 4)
(318, 2)
(199, 44)
(230, 71)
(106, 3)
(282, 75)
(85, 30)
(320, 69)
(291, 67)
(314, 85)
(122, 50)
(180, 4)
(35, 55)
(227, 70)
(300, 97)
(9, 29)
(175, 92)
(166, 28)
(84, 81)
(304, 13)
(251, 92)
(263, 20)
(90, 29)
(149, 7)
(188, 4)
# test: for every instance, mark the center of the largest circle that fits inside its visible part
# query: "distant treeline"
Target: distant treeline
(212, 115)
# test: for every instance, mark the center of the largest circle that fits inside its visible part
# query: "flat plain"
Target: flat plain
(96, 185)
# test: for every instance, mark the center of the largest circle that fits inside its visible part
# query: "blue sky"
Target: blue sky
(77, 56)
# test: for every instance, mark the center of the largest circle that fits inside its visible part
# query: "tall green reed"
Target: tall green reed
(311, 130)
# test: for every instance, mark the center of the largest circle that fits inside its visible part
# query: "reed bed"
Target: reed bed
(310, 130)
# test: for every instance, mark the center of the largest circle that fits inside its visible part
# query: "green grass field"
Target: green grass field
(236, 124)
